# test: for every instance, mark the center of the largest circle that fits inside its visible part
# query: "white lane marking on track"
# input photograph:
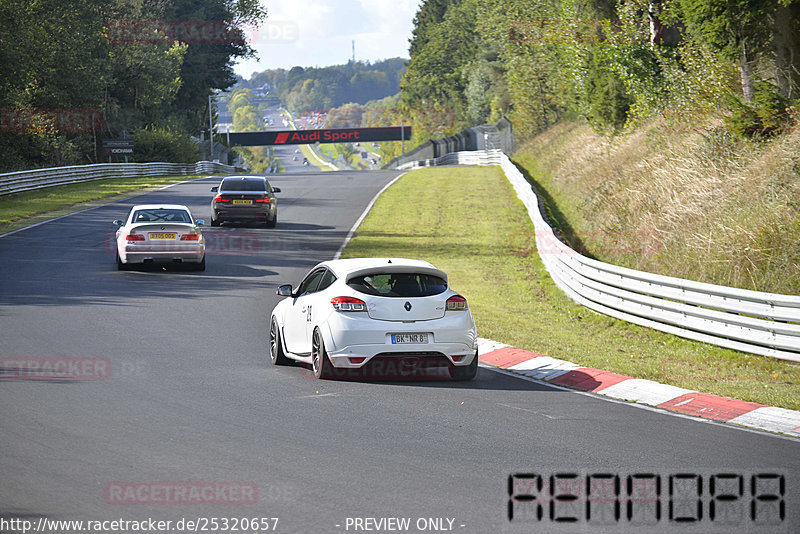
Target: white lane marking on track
(528, 410)
(319, 395)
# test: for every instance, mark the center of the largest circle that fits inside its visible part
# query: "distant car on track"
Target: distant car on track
(393, 313)
(244, 198)
(160, 233)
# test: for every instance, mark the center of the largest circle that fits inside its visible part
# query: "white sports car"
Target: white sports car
(384, 316)
(160, 233)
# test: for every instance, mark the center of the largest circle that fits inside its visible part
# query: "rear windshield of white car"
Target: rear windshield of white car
(399, 284)
(243, 185)
(161, 215)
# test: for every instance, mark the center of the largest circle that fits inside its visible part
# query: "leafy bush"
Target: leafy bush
(766, 116)
(164, 144)
(39, 145)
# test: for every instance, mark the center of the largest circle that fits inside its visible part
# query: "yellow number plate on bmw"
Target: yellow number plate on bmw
(167, 235)
(242, 201)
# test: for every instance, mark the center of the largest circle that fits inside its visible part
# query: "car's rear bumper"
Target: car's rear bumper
(242, 214)
(353, 342)
(184, 253)
(430, 355)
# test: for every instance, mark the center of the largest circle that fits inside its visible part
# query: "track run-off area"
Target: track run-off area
(174, 412)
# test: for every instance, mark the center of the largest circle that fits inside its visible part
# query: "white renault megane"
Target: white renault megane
(393, 316)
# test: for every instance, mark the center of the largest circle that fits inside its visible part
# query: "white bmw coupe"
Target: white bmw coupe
(164, 233)
(391, 316)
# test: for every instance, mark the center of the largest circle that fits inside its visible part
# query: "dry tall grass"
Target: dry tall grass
(692, 204)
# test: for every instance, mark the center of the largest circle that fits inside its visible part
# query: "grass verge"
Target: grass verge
(29, 207)
(313, 159)
(485, 242)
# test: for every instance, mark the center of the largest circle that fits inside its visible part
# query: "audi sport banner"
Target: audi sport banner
(304, 137)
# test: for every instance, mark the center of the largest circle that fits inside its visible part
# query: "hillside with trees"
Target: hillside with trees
(613, 64)
(663, 136)
(304, 90)
(142, 67)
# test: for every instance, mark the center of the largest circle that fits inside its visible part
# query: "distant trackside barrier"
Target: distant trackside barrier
(498, 136)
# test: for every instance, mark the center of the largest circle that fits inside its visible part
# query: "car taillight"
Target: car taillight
(456, 303)
(263, 200)
(348, 304)
(134, 237)
(190, 237)
(220, 199)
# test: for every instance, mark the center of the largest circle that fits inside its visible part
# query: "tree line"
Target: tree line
(613, 63)
(74, 72)
(321, 88)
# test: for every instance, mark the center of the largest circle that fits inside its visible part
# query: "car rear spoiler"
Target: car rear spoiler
(398, 268)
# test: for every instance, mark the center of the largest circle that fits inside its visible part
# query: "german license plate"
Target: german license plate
(409, 338)
(165, 235)
(243, 202)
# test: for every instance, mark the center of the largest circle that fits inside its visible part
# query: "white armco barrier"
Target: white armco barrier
(14, 182)
(749, 321)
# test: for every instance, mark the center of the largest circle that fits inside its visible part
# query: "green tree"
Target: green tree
(209, 65)
(62, 54)
(429, 15)
(740, 30)
(436, 74)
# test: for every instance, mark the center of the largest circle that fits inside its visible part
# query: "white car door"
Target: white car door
(318, 305)
(296, 331)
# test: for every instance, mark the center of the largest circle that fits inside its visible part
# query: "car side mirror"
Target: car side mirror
(285, 290)
(276, 189)
(215, 189)
(200, 222)
(119, 223)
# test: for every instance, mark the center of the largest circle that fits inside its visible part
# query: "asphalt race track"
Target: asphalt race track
(287, 153)
(177, 392)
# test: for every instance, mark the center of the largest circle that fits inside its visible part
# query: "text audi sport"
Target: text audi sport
(356, 313)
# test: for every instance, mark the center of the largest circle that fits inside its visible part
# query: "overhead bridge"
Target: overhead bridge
(330, 135)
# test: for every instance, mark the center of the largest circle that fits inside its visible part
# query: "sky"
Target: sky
(318, 33)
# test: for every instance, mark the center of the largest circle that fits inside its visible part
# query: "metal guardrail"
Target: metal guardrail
(487, 137)
(15, 182)
(478, 157)
(749, 321)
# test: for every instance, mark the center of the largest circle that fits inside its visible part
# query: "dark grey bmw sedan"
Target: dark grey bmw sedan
(244, 199)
